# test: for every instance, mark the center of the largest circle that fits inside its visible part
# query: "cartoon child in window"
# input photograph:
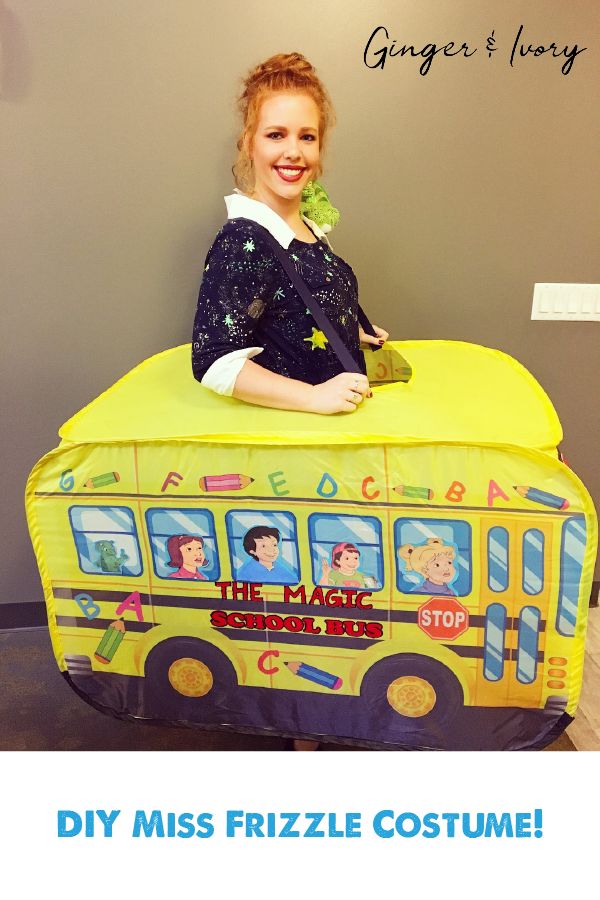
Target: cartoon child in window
(343, 571)
(434, 560)
(261, 543)
(186, 554)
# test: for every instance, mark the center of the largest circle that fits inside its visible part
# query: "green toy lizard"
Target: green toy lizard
(107, 556)
(315, 205)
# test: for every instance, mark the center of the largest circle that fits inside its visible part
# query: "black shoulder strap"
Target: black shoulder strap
(340, 349)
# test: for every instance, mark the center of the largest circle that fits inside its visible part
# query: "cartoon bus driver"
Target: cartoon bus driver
(434, 560)
(186, 554)
(262, 544)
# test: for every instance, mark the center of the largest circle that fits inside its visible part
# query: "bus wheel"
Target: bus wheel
(411, 696)
(420, 690)
(190, 677)
(190, 671)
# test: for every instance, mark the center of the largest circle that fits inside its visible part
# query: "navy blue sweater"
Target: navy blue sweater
(247, 300)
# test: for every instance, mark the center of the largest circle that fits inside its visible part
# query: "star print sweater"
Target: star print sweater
(246, 299)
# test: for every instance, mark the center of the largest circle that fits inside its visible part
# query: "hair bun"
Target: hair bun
(280, 69)
(283, 62)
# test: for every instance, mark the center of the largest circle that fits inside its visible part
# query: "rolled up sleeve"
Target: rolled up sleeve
(221, 376)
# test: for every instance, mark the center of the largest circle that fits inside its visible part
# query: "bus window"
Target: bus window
(106, 540)
(346, 551)
(263, 546)
(497, 550)
(572, 551)
(527, 646)
(493, 644)
(433, 556)
(533, 561)
(183, 544)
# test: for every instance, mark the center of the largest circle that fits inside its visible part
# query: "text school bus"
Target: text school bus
(414, 574)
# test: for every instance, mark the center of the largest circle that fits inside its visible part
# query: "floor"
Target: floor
(584, 732)
(73, 725)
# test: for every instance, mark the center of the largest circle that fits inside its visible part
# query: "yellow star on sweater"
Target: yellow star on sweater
(317, 339)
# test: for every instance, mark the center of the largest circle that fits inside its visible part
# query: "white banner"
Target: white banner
(298, 825)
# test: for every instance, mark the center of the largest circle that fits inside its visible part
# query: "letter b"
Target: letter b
(87, 606)
(455, 492)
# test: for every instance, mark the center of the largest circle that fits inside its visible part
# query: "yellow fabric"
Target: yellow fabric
(465, 451)
(458, 392)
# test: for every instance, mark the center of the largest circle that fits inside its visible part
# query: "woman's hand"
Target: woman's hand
(264, 388)
(365, 338)
(340, 394)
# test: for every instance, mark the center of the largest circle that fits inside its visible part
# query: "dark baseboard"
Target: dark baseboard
(33, 615)
(22, 615)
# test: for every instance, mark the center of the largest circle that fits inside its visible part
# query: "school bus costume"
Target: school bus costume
(426, 561)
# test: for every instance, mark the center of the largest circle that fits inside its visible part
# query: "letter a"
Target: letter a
(133, 602)
(494, 491)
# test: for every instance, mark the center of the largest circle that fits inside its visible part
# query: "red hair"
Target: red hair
(283, 72)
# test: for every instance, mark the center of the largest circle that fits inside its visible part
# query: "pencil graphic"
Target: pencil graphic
(311, 674)
(110, 642)
(404, 373)
(409, 490)
(102, 480)
(537, 496)
(224, 482)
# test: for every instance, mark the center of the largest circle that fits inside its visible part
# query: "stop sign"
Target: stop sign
(443, 618)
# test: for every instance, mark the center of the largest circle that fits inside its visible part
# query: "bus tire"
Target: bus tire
(413, 689)
(185, 673)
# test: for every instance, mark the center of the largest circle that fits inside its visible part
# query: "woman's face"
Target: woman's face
(192, 554)
(285, 147)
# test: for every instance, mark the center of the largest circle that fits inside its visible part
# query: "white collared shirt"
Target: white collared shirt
(222, 374)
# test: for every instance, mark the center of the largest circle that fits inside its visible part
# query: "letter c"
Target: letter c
(378, 827)
(261, 662)
(369, 480)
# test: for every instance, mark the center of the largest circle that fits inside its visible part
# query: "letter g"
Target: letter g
(382, 54)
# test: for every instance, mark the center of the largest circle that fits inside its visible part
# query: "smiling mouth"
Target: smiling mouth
(290, 173)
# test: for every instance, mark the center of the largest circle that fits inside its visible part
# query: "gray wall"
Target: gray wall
(458, 190)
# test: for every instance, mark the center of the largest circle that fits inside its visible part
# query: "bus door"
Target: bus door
(515, 589)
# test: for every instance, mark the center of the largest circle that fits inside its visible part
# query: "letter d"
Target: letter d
(63, 823)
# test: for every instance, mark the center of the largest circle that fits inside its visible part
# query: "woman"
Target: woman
(247, 305)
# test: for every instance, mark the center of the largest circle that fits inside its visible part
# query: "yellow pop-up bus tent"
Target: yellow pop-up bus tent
(415, 574)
